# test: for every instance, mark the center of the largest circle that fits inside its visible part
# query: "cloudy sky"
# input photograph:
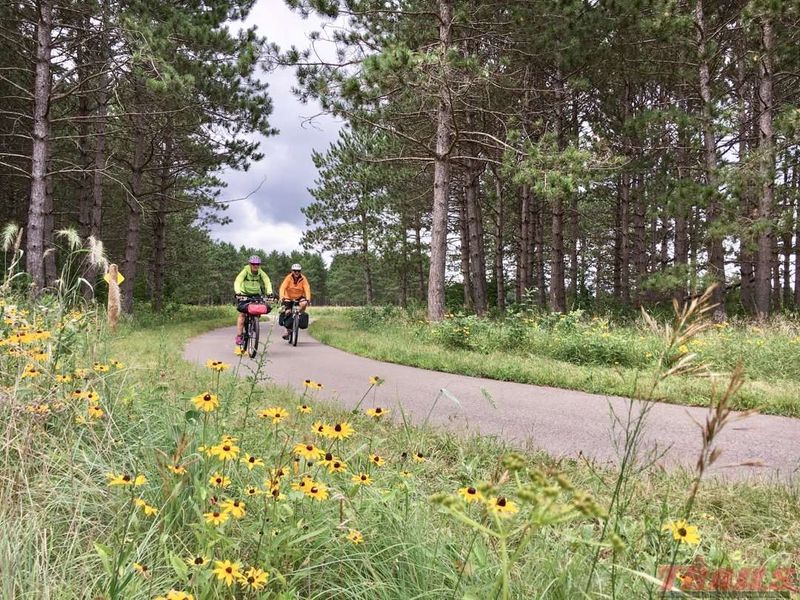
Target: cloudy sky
(265, 202)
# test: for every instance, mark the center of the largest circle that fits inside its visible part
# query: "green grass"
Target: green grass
(68, 535)
(589, 356)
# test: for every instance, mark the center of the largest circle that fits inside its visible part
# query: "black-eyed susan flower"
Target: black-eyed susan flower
(319, 428)
(217, 517)
(308, 451)
(275, 413)
(470, 494)
(355, 536)
(206, 401)
(235, 508)
(303, 484)
(141, 569)
(361, 479)
(225, 451)
(337, 466)
(227, 571)
(339, 431)
(277, 473)
(377, 412)
(197, 561)
(252, 491)
(41, 408)
(100, 368)
(308, 384)
(63, 378)
(149, 511)
(502, 506)
(218, 480)
(683, 532)
(375, 380)
(304, 409)
(39, 355)
(418, 457)
(125, 479)
(376, 460)
(177, 469)
(82, 373)
(405, 474)
(254, 578)
(238, 351)
(251, 461)
(217, 365)
(317, 491)
(31, 372)
(92, 396)
(116, 364)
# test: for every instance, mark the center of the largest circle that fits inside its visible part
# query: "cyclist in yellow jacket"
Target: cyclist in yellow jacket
(294, 288)
(250, 283)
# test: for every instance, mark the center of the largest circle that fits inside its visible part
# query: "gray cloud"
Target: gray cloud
(275, 188)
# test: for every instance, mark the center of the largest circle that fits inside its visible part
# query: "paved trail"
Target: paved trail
(561, 422)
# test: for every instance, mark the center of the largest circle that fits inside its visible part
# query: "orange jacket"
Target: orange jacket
(295, 290)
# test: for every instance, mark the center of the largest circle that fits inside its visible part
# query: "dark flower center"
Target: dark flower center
(251, 579)
(363, 478)
(471, 490)
(229, 569)
(277, 415)
(275, 492)
(314, 490)
(304, 407)
(337, 427)
(218, 480)
(280, 473)
(252, 459)
(226, 448)
(207, 397)
(378, 411)
(198, 560)
(236, 504)
(682, 532)
(126, 478)
(501, 501)
(329, 456)
(336, 465)
(419, 455)
(216, 514)
(309, 448)
(377, 459)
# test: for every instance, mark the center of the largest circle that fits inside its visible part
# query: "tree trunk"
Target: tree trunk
(766, 171)
(477, 251)
(133, 234)
(463, 230)
(574, 236)
(558, 300)
(499, 271)
(624, 191)
(441, 171)
(420, 257)
(369, 290)
(716, 250)
(747, 209)
(50, 272)
(160, 225)
(639, 239)
(34, 247)
(526, 241)
(541, 282)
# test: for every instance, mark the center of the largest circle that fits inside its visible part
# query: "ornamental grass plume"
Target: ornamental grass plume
(114, 305)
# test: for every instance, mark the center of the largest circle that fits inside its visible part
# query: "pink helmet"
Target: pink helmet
(255, 260)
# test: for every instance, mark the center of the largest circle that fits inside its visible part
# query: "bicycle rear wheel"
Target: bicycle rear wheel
(295, 328)
(253, 328)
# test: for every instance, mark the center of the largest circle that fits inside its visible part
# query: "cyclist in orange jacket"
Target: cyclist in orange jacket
(294, 288)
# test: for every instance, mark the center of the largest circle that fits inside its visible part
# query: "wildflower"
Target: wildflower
(31, 371)
(378, 461)
(177, 469)
(405, 474)
(116, 364)
(63, 378)
(226, 571)
(317, 491)
(361, 479)
(39, 355)
(217, 365)
(276, 413)
(308, 383)
(218, 480)
(239, 352)
(252, 491)
(38, 409)
(683, 532)
(225, 451)
(305, 482)
(304, 409)
(377, 412)
(276, 474)
(418, 457)
(216, 517)
(375, 380)
(206, 402)
(92, 397)
(77, 393)
(125, 479)
(308, 451)
(197, 561)
(81, 373)
(252, 462)
(502, 506)
(234, 507)
(355, 536)
(141, 569)
(101, 368)
(148, 510)
(683, 349)
(337, 466)
(254, 578)
(317, 386)
(319, 428)
(470, 494)
(340, 431)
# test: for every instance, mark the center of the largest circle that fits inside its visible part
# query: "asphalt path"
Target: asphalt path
(563, 423)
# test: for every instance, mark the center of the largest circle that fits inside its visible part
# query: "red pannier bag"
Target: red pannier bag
(257, 309)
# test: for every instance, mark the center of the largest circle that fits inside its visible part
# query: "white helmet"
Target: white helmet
(297, 267)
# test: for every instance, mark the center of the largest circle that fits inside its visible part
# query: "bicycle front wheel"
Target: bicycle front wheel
(295, 328)
(253, 331)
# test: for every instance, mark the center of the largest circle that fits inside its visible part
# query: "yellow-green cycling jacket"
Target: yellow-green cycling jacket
(252, 284)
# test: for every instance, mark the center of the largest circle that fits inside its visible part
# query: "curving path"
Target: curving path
(561, 422)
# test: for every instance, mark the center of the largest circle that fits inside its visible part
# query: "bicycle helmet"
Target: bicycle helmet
(297, 267)
(255, 260)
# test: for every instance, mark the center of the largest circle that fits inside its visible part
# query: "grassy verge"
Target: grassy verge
(419, 346)
(73, 532)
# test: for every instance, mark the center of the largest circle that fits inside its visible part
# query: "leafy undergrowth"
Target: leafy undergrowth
(576, 353)
(127, 473)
